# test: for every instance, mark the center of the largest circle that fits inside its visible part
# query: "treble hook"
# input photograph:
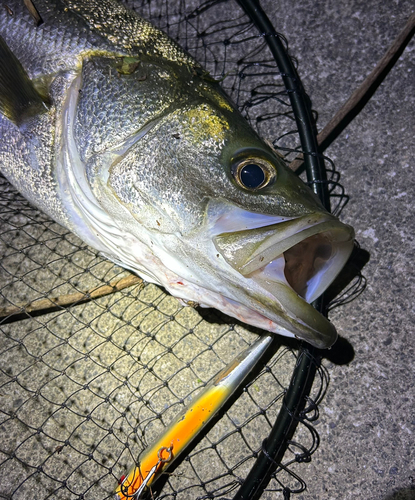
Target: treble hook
(153, 470)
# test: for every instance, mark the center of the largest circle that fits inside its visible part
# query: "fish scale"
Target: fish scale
(38, 49)
(110, 118)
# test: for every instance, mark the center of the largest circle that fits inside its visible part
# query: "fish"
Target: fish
(117, 133)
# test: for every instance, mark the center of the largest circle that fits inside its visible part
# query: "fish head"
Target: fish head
(223, 221)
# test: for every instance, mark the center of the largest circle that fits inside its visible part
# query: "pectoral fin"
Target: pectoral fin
(19, 99)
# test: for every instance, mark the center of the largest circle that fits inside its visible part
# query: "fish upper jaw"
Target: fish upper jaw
(305, 253)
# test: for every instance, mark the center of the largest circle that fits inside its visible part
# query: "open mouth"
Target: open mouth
(293, 260)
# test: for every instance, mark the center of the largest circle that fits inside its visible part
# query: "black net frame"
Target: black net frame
(93, 373)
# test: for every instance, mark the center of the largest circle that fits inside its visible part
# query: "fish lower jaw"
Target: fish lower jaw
(310, 326)
(189, 293)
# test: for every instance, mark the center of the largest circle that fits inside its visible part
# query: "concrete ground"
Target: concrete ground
(367, 422)
(70, 425)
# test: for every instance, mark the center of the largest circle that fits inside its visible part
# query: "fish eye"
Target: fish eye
(253, 173)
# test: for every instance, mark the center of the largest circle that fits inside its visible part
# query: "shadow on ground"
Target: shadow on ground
(402, 494)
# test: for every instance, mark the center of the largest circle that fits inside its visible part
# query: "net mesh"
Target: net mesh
(95, 362)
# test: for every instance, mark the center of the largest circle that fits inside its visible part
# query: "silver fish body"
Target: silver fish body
(108, 126)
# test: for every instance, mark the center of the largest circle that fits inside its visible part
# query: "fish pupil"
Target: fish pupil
(252, 176)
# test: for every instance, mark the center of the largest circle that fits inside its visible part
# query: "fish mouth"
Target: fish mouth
(290, 264)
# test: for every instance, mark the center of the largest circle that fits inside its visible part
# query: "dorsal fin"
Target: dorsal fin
(19, 98)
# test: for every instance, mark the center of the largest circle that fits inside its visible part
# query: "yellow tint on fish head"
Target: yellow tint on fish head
(219, 100)
(205, 124)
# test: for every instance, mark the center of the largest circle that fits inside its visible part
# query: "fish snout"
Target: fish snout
(292, 262)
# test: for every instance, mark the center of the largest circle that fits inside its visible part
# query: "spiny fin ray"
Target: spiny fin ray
(19, 98)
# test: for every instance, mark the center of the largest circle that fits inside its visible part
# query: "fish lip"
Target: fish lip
(260, 256)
